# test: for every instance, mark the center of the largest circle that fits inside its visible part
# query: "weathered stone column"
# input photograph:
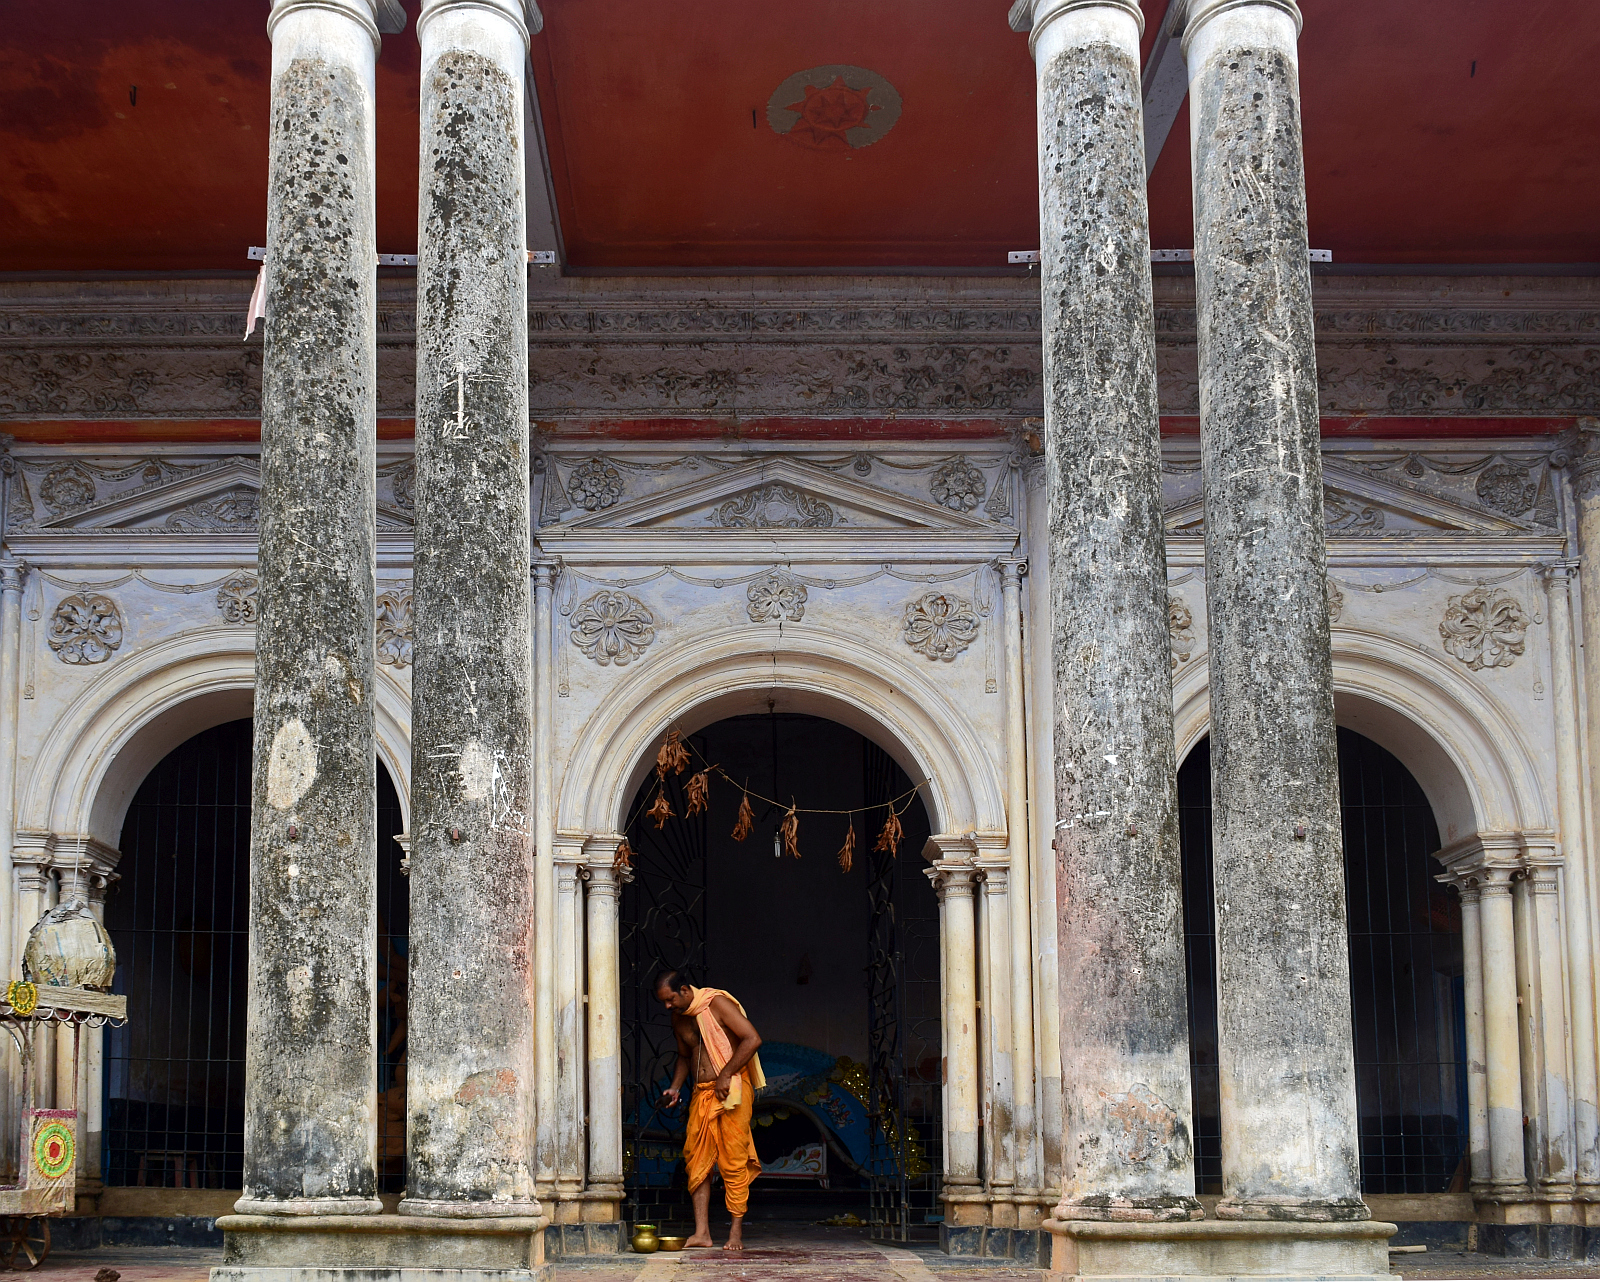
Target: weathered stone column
(13, 575)
(995, 1019)
(310, 1129)
(471, 1029)
(954, 881)
(1553, 1129)
(1020, 897)
(1565, 706)
(605, 1025)
(1287, 1066)
(1502, 1050)
(544, 1055)
(1118, 877)
(1472, 984)
(569, 1029)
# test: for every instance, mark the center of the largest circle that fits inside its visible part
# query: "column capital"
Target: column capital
(13, 573)
(1556, 574)
(546, 570)
(375, 17)
(1011, 569)
(524, 15)
(1199, 12)
(953, 879)
(994, 873)
(1032, 16)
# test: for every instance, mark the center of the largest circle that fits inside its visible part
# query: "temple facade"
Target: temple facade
(1224, 617)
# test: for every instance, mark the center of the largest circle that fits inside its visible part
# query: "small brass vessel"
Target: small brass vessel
(645, 1241)
(672, 1243)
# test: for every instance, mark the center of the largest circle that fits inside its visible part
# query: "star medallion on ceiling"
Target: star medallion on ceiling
(834, 108)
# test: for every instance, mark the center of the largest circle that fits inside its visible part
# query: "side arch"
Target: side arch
(134, 713)
(1471, 759)
(808, 671)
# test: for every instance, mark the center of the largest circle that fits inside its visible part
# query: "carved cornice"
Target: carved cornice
(817, 347)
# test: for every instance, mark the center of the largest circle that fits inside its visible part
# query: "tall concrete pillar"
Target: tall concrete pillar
(471, 1080)
(13, 576)
(1289, 1148)
(996, 1019)
(1118, 875)
(569, 1027)
(1553, 1132)
(311, 1044)
(544, 896)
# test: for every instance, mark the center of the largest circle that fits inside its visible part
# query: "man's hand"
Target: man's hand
(723, 1085)
(670, 1097)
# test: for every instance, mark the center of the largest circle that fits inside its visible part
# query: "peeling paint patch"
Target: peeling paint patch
(292, 767)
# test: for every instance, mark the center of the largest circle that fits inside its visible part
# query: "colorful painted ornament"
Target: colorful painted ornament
(53, 1150)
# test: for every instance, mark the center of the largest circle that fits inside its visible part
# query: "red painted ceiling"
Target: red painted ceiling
(1436, 131)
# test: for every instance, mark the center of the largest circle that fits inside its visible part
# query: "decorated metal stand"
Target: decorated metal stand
(68, 963)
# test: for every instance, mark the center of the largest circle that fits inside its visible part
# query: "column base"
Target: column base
(380, 1248)
(1258, 1249)
(1298, 1210)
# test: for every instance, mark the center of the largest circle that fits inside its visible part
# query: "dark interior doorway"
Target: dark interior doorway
(174, 1076)
(1406, 967)
(838, 970)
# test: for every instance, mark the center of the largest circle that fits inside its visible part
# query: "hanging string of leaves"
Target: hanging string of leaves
(674, 758)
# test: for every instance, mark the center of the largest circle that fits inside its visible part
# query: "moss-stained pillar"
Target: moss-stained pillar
(1284, 1039)
(311, 1044)
(1127, 1151)
(471, 1030)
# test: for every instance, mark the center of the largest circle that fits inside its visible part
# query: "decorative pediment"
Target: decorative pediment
(217, 498)
(1357, 504)
(776, 501)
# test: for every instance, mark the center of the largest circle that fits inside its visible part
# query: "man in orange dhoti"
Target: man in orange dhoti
(717, 1041)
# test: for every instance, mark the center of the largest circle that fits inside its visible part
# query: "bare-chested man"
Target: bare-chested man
(718, 1043)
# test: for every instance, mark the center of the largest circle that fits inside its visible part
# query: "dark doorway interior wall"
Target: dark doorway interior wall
(838, 971)
(1407, 998)
(174, 1079)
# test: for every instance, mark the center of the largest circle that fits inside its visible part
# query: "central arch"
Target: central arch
(808, 671)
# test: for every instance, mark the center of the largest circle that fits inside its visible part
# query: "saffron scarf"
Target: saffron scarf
(714, 1037)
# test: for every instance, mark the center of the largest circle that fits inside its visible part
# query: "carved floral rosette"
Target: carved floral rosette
(85, 628)
(940, 625)
(957, 485)
(1485, 628)
(776, 596)
(394, 648)
(612, 628)
(237, 599)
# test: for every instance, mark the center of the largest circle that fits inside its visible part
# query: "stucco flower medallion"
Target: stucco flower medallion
(1507, 489)
(1180, 628)
(594, 484)
(394, 629)
(958, 485)
(403, 485)
(939, 625)
(85, 628)
(1485, 628)
(236, 598)
(66, 488)
(613, 627)
(775, 597)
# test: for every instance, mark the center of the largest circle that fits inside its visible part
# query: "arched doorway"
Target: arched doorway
(1406, 975)
(174, 1076)
(839, 969)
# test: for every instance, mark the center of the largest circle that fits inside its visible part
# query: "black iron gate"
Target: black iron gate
(663, 924)
(903, 1012)
(1407, 999)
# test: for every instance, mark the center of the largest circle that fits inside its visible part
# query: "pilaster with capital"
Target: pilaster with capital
(955, 879)
(996, 1020)
(603, 883)
(545, 573)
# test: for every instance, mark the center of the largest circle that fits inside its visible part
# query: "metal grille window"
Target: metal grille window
(174, 1080)
(1407, 997)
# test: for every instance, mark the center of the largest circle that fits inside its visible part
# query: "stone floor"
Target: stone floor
(779, 1254)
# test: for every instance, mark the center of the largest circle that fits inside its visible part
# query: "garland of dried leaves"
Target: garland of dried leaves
(673, 758)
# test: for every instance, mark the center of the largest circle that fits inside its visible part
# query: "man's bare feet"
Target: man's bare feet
(699, 1239)
(735, 1237)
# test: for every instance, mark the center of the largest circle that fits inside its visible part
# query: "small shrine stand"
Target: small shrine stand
(49, 1152)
